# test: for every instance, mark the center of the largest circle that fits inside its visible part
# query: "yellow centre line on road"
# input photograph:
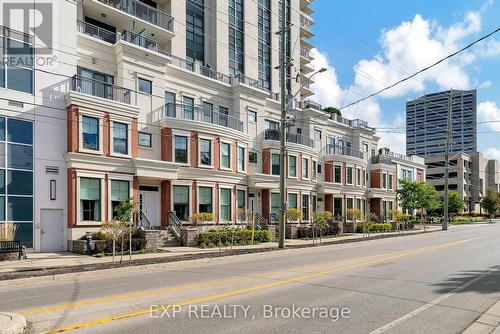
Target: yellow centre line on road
(257, 287)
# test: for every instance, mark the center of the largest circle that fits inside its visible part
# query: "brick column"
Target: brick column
(194, 149)
(106, 145)
(134, 138)
(166, 144)
(72, 205)
(72, 128)
(165, 202)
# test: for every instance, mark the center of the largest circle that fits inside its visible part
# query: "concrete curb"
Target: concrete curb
(59, 273)
(12, 323)
(487, 323)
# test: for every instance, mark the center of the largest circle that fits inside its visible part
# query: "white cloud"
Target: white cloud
(488, 111)
(485, 84)
(405, 49)
(492, 153)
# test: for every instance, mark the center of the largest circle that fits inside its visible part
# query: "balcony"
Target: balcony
(144, 12)
(306, 25)
(294, 138)
(198, 114)
(305, 53)
(381, 159)
(342, 150)
(101, 89)
(308, 104)
(96, 32)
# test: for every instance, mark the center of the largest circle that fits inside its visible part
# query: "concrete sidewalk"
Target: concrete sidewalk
(38, 261)
(487, 323)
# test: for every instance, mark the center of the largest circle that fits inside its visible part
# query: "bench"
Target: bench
(11, 247)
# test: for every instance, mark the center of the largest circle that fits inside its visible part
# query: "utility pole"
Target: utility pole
(447, 163)
(283, 29)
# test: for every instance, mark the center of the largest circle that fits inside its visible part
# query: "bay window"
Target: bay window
(205, 200)
(205, 152)
(225, 204)
(275, 164)
(90, 199)
(225, 152)
(181, 201)
(181, 149)
(90, 133)
(241, 158)
(292, 166)
(120, 191)
(120, 138)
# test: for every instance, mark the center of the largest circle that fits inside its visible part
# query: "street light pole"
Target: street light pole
(283, 29)
(447, 165)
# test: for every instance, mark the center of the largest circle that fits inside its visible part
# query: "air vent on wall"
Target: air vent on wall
(16, 104)
(51, 170)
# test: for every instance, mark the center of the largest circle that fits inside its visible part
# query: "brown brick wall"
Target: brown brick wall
(106, 135)
(72, 214)
(134, 138)
(72, 130)
(329, 203)
(194, 149)
(217, 153)
(166, 144)
(375, 179)
(266, 161)
(165, 202)
(265, 203)
(328, 171)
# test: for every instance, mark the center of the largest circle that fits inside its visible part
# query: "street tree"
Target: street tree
(408, 195)
(333, 110)
(123, 214)
(490, 203)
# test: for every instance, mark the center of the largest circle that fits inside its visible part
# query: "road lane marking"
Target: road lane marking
(255, 288)
(430, 304)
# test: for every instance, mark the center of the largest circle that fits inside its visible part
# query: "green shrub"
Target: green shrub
(210, 238)
(202, 217)
(99, 235)
(293, 214)
(307, 231)
(373, 228)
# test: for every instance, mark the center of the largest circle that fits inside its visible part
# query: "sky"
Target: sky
(367, 45)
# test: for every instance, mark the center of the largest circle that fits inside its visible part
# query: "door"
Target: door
(251, 203)
(52, 230)
(149, 204)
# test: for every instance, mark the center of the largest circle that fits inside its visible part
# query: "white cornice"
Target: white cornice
(191, 125)
(102, 104)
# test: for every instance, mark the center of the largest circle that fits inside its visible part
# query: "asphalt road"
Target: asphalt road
(434, 283)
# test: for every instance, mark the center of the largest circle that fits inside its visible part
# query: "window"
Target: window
(365, 147)
(208, 112)
(145, 139)
(305, 168)
(349, 175)
(317, 134)
(292, 201)
(241, 158)
(16, 70)
(195, 30)
(373, 152)
(358, 203)
(120, 191)
(90, 133)
(188, 108)
(120, 138)
(384, 181)
(264, 39)
(272, 125)
(19, 131)
(358, 176)
(181, 149)
(275, 202)
(305, 207)
(223, 116)
(350, 203)
(145, 86)
(225, 153)
(225, 205)
(19, 182)
(252, 157)
(292, 166)
(319, 168)
(314, 169)
(338, 174)
(314, 200)
(205, 152)
(252, 116)
(20, 156)
(241, 199)
(275, 164)
(390, 182)
(97, 84)
(236, 37)
(90, 199)
(170, 106)
(181, 201)
(205, 200)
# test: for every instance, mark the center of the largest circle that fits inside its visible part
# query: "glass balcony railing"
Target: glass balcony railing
(304, 52)
(198, 114)
(308, 104)
(295, 138)
(101, 89)
(96, 32)
(306, 23)
(144, 12)
(140, 40)
(343, 150)
(381, 159)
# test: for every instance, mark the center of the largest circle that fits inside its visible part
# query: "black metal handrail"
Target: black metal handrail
(381, 159)
(100, 89)
(175, 223)
(343, 150)
(143, 221)
(199, 114)
(295, 138)
(308, 104)
(261, 222)
(96, 32)
(144, 12)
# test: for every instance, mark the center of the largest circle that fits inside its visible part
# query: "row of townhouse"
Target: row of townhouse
(173, 103)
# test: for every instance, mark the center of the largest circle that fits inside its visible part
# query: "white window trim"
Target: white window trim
(359, 175)
(271, 161)
(341, 176)
(352, 174)
(145, 78)
(245, 158)
(94, 175)
(190, 191)
(141, 146)
(257, 154)
(308, 168)
(250, 111)
(80, 132)
(205, 185)
(129, 138)
(232, 203)
(230, 168)
(296, 175)
(288, 193)
(212, 156)
(115, 177)
(245, 190)
(188, 136)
